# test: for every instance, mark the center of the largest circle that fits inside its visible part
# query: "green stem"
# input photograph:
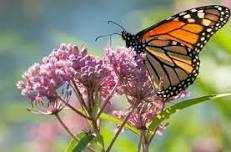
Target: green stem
(74, 109)
(140, 143)
(145, 142)
(154, 133)
(120, 128)
(79, 95)
(89, 101)
(107, 99)
(93, 103)
(68, 130)
(65, 127)
(96, 130)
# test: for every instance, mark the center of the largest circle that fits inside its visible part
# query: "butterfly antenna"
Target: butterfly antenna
(113, 22)
(106, 35)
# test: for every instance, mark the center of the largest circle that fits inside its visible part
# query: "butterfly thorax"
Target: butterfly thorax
(133, 41)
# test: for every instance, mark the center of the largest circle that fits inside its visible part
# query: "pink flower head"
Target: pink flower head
(66, 64)
(42, 80)
(94, 75)
(143, 114)
(131, 72)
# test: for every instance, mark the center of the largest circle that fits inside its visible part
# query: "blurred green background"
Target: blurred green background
(30, 29)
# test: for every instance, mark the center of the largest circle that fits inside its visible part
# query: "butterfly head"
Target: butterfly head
(133, 41)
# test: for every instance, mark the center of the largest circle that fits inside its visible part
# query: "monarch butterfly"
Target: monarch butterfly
(172, 46)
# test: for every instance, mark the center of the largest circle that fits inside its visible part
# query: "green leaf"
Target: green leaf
(179, 106)
(81, 144)
(119, 122)
(98, 143)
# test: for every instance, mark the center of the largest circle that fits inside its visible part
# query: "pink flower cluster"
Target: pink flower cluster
(130, 70)
(120, 68)
(143, 114)
(94, 75)
(64, 64)
(42, 80)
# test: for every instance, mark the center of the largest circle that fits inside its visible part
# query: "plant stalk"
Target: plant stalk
(145, 142)
(79, 95)
(74, 109)
(68, 130)
(107, 100)
(120, 128)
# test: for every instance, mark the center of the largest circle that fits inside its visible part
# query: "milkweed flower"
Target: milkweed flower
(43, 79)
(143, 113)
(94, 75)
(66, 65)
(130, 71)
(67, 70)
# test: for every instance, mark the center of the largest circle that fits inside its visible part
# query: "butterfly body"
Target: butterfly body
(133, 41)
(172, 46)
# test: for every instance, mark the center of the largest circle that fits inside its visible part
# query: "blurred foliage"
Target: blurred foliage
(30, 29)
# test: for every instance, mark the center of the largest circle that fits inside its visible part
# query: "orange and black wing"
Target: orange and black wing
(173, 46)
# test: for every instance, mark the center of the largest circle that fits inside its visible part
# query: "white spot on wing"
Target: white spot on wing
(187, 16)
(191, 20)
(193, 10)
(201, 15)
(206, 22)
(174, 43)
(219, 8)
(209, 30)
(182, 13)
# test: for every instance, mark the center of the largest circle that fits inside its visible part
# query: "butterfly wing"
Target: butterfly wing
(173, 46)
